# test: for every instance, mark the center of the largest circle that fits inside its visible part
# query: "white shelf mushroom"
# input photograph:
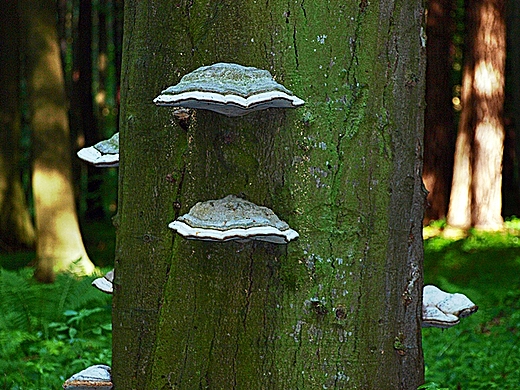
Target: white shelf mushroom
(228, 89)
(94, 377)
(444, 310)
(233, 218)
(105, 283)
(104, 154)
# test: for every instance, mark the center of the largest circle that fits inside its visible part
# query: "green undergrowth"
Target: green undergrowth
(483, 351)
(50, 331)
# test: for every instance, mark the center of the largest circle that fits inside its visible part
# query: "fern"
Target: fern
(28, 305)
(50, 331)
(16, 298)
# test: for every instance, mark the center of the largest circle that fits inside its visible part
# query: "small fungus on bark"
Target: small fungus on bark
(444, 310)
(105, 283)
(233, 218)
(228, 89)
(104, 154)
(94, 377)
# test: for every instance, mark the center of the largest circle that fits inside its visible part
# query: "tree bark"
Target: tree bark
(16, 229)
(339, 308)
(59, 244)
(477, 177)
(439, 134)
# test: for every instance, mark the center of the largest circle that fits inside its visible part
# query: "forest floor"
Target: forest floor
(483, 351)
(61, 328)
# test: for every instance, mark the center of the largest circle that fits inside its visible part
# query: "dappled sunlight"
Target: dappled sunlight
(488, 79)
(53, 184)
(491, 21)
(59, 238)
(485, 138)
(477, 176)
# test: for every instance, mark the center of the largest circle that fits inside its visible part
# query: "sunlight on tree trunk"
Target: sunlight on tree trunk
(439, 134)
(477, 178)
(59, 244)
(341, 306)
(16, 229)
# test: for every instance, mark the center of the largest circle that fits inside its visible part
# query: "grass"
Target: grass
(483, 351)
(49, 332)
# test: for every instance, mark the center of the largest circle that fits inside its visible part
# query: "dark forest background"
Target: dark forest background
(90, 36)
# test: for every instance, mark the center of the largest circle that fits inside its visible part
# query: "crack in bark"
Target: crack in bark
(210, 354)
(234, 365)
(188, 340)
(295, 47)
(303, 9)
(179, 191)
(266, 324)
(244, 321)
(249, 290)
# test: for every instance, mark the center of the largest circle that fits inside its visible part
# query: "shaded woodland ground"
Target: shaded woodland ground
(49, 332)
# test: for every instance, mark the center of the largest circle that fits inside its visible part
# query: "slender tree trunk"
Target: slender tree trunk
(89, 124)
(59, 242)
(439, 137)
(340, 307)
(16, 229)
(477, 177)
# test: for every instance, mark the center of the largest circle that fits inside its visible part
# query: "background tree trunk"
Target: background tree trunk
(439, 135)
(16, 229)
(59, 244)
(341, 306)
(84, 100)
(477, 178)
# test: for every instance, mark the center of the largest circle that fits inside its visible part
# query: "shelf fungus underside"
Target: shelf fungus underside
(105, 283)
(228, 89)
(104, 154)
(233, 218)
(94, 377)
(444, 310)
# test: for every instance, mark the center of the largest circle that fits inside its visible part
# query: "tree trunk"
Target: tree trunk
(477, 178)
(59, 245)
(16, 229)
(338, 308)
(83, 90)
(439, 137)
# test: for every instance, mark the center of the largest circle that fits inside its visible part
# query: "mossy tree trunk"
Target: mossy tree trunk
(340, 307)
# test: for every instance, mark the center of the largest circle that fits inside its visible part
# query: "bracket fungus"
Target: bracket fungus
(233, 218)
(94, 377)
(444, 310)
(105, 283)
(104, 154)
(228, 89)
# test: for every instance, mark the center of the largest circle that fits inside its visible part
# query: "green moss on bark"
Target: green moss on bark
(321, 312)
